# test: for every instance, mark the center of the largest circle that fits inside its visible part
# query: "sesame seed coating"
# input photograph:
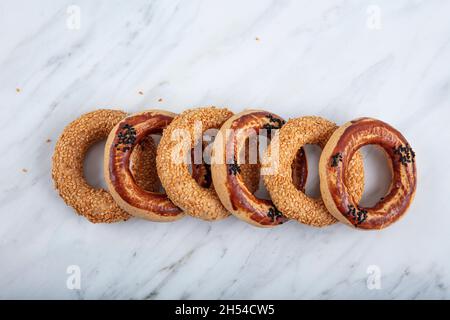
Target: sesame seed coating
(294, 203)
(96, 204)
(175, 177)
(143, 165)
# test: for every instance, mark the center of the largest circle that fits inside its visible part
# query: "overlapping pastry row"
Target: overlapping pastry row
(212, 179)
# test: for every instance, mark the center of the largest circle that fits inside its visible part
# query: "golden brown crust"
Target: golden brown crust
(334, 162)
(228, 171)
(96, 205)
(295, 204)
(175, 177)
(122, 140)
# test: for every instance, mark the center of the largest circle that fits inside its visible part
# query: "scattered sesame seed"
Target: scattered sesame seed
(293, 203)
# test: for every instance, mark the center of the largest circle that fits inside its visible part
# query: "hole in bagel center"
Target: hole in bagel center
(261, 191)
(148, 178)
(377, 175)
(93, 165)
(201, 173)
(312, 187)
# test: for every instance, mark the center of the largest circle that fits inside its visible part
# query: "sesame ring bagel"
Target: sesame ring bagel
(294, 203)
(179, 138)
(97, 205)
(334, 162)
(227, 166)
(122, 140)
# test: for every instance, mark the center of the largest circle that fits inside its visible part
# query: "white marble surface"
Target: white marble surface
(327, 58)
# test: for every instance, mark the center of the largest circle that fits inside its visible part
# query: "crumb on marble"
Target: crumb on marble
(257, 38)
(24, 170)
(17, 90)
(48, 140)
(160, 100)
(141, 93)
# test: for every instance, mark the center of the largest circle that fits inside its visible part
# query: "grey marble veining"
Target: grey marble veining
(336, 59)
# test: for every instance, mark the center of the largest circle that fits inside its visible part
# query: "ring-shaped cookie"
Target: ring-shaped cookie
(122, 140)
(226, 168)
(334, 162)
(95, 204)
(143, 165)
(295, 204)
(178, 139)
